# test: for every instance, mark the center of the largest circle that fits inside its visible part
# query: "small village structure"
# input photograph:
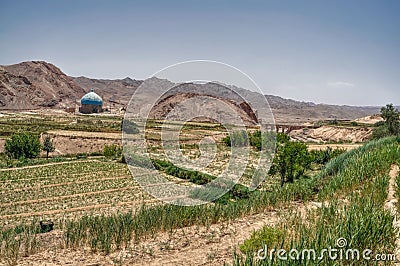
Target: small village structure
(91, 103)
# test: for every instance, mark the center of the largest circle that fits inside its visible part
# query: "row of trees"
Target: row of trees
(256, 139)
(26, 145)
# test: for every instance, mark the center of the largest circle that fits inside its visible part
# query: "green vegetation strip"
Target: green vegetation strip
(360, 180)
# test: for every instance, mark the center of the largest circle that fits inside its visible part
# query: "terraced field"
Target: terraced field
(62, 190)
(70, 189)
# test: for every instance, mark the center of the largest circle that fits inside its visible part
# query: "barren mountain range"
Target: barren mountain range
(38, 84)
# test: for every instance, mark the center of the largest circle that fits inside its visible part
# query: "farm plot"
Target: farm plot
(55, 191)
(190, 138)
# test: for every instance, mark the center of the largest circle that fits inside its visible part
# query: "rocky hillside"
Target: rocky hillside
(17, 92)
(188, 105)
(36, 84)
(118, 91)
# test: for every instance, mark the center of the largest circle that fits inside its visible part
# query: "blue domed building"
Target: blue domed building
(91, 103)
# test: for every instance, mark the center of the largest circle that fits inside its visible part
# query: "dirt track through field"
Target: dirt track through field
(391, 205)
(83, 208)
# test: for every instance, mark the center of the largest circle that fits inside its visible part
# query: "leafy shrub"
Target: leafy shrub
(380, 132)
(239, 192)
(391, 124)
(334, 122)
(112, 150)
(391, 117)
(214, 190)
(269, 236)
(138, 160)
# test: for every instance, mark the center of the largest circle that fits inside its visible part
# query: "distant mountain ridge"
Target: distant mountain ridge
(118, 91)
(38, 84)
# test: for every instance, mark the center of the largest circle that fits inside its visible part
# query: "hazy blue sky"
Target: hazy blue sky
(341, 52)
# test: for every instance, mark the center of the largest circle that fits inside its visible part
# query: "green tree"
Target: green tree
(391, 117)
(48, 146)
(23, 145)
(291, 160)
(390, 125)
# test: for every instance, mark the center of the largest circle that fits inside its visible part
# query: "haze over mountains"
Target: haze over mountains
(38, 84)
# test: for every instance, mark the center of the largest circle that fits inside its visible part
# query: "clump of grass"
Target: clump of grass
(268, 235)
(19, 240)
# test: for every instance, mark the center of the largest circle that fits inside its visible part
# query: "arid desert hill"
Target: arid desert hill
(38, 84)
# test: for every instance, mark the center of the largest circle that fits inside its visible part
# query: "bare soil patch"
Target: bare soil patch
(83, 142)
